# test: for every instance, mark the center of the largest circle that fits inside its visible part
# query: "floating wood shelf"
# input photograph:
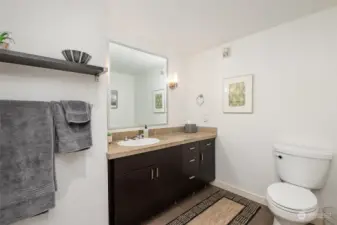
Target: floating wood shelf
(20, 58)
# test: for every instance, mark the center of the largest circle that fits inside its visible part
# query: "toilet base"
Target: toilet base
(280, 221)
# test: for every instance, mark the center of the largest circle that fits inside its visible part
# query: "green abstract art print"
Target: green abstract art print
(237, 95)
(159, 99)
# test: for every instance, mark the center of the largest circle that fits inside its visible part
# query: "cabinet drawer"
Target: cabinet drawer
(190, 166)
(126, 165)
(192, 147)
(210, 143)
(190, 151)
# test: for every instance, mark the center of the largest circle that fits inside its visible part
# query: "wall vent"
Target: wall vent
(226, 53)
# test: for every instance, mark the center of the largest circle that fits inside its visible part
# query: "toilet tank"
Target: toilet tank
(302, 166)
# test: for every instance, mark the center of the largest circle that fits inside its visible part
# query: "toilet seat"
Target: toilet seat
(291, 198)
(289, 210)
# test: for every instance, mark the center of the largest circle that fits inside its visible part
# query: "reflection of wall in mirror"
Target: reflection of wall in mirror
(124, 114)
(146, 85)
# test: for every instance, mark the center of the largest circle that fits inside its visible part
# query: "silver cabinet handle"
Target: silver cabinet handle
(157, 172)
(192, 160)
(209, 144)
(191, 178)
(152, 174)
(192, 148)
(202, 156)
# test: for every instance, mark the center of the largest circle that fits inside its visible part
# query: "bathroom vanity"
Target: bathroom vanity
(148, 175)
(144, 184)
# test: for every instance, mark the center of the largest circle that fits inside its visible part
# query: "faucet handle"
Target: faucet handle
(141, 134)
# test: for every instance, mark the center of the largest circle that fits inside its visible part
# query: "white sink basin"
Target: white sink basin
(139, 142)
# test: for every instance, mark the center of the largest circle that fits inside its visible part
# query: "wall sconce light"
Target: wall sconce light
(173, 81)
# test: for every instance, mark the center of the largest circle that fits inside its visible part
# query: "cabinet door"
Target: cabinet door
(167, 173)
(207, 161)
(134, 196)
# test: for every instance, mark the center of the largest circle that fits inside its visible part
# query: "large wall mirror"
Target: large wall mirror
(137, 88)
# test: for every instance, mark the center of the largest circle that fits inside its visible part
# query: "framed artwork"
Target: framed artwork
(113, 99)
(238, 94)
(159, 101)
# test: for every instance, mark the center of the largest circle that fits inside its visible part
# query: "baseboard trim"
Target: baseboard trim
(238, 191)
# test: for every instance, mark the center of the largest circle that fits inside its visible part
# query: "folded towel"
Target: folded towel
(70, 137)
(26, 160)
(76, 111)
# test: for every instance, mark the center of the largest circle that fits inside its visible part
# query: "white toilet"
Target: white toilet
(300, 170)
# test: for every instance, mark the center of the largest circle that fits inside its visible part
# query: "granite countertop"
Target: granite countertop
(166, 140)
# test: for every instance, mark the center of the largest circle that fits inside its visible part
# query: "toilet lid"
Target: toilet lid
(292, 197)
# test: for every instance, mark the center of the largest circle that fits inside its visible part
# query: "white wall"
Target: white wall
(295, 69)
(124, 115)
(45, 28)
(146, 84)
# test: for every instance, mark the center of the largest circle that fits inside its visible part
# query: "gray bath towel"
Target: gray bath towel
(76, 111)
(70, 136)
(27, 185)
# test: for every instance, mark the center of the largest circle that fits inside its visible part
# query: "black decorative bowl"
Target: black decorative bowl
(76, 56)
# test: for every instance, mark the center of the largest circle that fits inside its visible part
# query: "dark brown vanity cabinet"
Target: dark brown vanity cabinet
(134, 193)
(142, 185)
(198, 165)
(207, 161)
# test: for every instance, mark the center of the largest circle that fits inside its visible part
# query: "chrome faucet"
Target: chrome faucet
(139, 136)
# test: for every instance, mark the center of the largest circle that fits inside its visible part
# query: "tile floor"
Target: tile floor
(263, 217)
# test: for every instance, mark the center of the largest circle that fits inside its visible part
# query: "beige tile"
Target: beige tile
(166, 130)
(160, 131)
(220, 213)
(152, 132)
(121, 135)
(263, 217)
(171, 214)
(206, 192)
(177, 129)
(166, 216)
(189, 202)
(208, 129)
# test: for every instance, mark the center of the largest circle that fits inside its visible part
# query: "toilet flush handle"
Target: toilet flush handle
(279, 156)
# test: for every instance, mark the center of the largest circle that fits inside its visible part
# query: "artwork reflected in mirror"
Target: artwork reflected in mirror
(159, 101)
(113, 99)
(138, 88)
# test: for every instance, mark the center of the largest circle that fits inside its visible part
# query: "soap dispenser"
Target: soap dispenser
(146, 132)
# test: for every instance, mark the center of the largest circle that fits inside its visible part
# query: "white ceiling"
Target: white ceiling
(190, 26)
(134, 62)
